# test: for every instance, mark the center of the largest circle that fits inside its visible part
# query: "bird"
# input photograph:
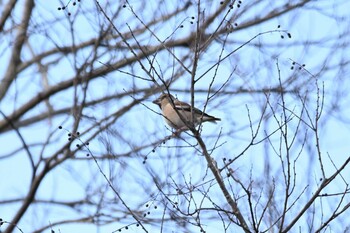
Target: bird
(172, 108)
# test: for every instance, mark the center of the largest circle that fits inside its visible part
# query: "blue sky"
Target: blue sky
(254, 68)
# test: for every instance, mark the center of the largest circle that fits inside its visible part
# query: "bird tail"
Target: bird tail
(210, 118)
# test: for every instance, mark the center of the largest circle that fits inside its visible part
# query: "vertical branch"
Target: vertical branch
(196, 58)
(319, 107)
(284, 133)
(15, 59)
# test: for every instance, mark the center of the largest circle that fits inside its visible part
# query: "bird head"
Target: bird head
(163, 97)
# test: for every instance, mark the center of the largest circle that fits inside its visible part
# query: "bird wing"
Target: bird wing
(182, 106)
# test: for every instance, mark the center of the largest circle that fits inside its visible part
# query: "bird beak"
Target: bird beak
(156, 101)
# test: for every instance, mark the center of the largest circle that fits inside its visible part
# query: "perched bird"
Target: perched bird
(171, 108)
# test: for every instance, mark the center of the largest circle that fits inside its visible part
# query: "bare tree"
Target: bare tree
(83, 146)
